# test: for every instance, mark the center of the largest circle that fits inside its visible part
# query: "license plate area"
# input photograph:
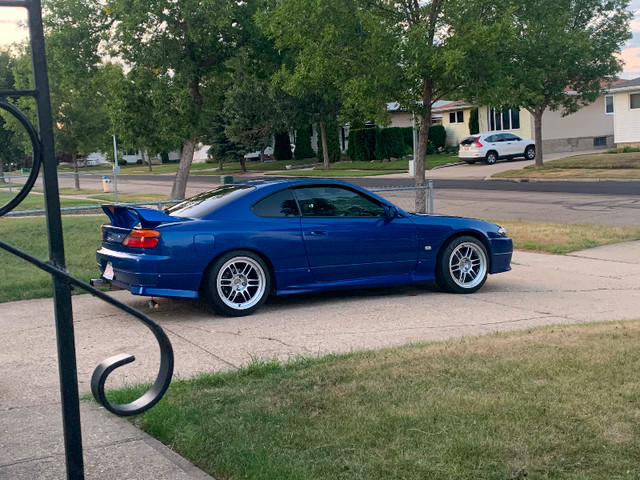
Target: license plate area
(108, 271)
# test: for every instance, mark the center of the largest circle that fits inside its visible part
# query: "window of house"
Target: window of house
(634, 100)
(608, 104)
(504, 119)
(600, 141)
(456, 117)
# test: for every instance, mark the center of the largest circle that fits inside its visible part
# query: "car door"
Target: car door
(349, 235)
(492, 142)
(512, 144)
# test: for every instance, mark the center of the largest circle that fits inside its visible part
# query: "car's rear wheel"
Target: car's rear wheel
(463, 266)
(238, 283)
(491, 158)
(530, 152)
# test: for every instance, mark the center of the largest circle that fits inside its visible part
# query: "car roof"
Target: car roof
(290, 182)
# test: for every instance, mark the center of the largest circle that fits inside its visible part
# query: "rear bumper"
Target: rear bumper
(146, 274)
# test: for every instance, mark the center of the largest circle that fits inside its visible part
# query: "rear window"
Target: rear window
(468, 141)
(204, 203)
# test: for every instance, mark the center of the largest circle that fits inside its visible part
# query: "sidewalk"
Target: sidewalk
(594, 285)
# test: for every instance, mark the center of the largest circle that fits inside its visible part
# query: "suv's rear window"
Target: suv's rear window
(468, 141)
(204, 203)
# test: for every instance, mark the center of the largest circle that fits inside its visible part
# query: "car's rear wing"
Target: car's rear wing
(128, 217)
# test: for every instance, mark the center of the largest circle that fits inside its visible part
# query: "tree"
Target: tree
(437, 43)
(189, 42)
(333, 53)
(72, 41)
(11, 150)
(561, 53)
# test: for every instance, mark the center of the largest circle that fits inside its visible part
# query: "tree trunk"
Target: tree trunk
(144, 153)
(243, 164)
(220, 164)
(184, 167)
(423, 139)
(262, 154)
(76, 175)
(325, 149)
(537, 122)
(2, 180)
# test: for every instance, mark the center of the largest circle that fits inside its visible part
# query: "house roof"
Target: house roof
(626, 84)
(395, 106)
(457, 105)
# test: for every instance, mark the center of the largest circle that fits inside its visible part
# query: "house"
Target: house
(625, 110)
(589, 128)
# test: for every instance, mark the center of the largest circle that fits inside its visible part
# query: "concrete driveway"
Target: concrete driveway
(594, 285)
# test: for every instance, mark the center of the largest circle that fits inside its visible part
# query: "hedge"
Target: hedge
(368, 144)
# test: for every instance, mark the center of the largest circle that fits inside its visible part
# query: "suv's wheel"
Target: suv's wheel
(530, 152)
(491, 158)
(462, 267)
(238, 283)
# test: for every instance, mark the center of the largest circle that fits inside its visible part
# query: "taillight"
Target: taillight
(142, 239)
(477, 142)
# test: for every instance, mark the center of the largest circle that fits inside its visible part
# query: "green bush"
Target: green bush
(437, 136)
(282, 146)
(389, 143)
(303, 143)
(474, 124)
(362, 144)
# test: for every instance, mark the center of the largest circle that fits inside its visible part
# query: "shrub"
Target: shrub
(389, 143)
(474, 124)
(303, 143)
(437, 136)
(282, 146)
(362, 144)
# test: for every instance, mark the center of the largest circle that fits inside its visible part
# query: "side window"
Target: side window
(332, 201)
(608, 104)
(510, 137)
(277, 205)
(492, 138)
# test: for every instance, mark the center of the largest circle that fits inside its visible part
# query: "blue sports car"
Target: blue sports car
(237, 244)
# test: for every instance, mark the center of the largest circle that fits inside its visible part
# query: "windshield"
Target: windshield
(204, 203)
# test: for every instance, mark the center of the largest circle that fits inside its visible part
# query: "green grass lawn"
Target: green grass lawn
(20, 280)
(604, 165)
(549, 403)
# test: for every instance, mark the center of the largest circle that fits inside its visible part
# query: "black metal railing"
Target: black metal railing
(42, 141)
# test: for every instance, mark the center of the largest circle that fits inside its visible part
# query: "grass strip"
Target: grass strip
(604, 165)
(553, 403)
(562, 238)
(35, 201)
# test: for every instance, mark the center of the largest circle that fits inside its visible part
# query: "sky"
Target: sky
(11, 31)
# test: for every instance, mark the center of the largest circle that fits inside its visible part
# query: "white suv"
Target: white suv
(491, 146)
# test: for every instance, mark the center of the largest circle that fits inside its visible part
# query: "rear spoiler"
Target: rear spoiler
(129, 217)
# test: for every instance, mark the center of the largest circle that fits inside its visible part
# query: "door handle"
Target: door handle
(318, 233)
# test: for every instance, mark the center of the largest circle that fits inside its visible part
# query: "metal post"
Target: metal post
(115, 168)
(431, 210)
(61, 289)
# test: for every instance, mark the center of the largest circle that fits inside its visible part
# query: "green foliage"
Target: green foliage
(474, 124)
(333, 142)
(437, 136)
(389, 143)
(362, 144)
(303, 143)
(282, 146)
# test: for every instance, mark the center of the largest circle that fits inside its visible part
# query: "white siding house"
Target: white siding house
(626, 113)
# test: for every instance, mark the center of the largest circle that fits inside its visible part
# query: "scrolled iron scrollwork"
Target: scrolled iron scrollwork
(104, 369)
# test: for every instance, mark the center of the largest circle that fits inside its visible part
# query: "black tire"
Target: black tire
(238, 283)
(491, 158)
(470, 162)
(462, 266)
(530, 152)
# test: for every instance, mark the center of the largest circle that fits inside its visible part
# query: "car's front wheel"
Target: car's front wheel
(530, 152)
(238, 283)
(463, 266)
(491, 158)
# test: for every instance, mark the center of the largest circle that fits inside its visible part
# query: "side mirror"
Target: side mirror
(391, 211)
